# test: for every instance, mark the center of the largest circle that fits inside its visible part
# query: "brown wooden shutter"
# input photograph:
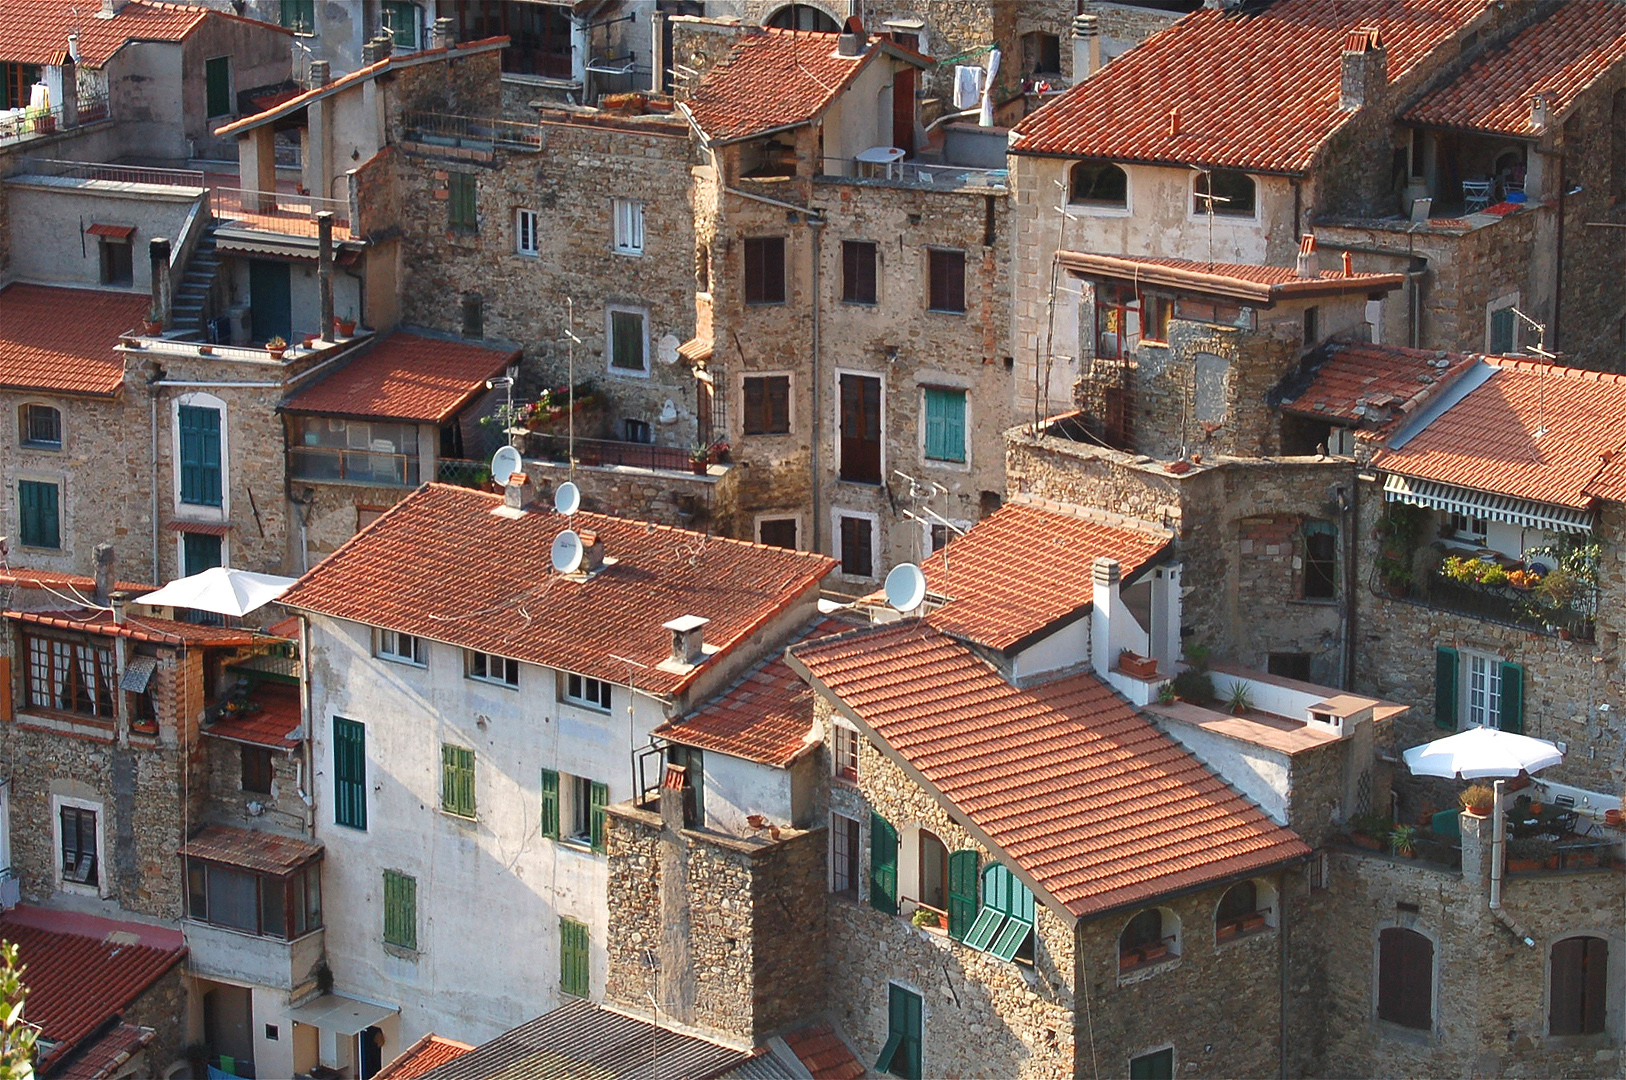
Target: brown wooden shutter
(1595, 984)
(947, 273)
(1565, 1005)
(755, 414)
(1405, 978)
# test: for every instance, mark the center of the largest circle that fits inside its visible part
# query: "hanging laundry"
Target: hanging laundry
(967, 87)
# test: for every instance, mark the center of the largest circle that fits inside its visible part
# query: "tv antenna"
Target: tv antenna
(905, 588)
(1538, 349)
(571, 341)
(567, 552)
(567, 499)
(1208, 200)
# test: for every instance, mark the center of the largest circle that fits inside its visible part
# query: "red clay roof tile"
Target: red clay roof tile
(823, 1054)
(36, 31)
(427, 1053)
(1085, 796)
(137, 628)
(263, 852)
(1024, 568)
(772, 79)
(101, 1058)
(1255, 90)
(441, 565)
(1561, 56)
(275, 724)
(1387, 379)
(78, 587)
(405, 377)
(1248, 282)
(63, 340)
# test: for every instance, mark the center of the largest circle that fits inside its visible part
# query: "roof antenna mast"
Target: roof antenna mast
(1538, 349)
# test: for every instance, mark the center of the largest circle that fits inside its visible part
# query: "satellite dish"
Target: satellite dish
(505, 463)
(567, 552)
(905, 587)
(666, 349)
(567, 499)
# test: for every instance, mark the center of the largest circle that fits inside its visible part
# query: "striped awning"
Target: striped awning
(1485, 504)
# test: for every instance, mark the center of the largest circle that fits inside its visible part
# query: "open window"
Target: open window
(1004, 927)
(1245, 908)
(1098, 183)
(1151, 937)
(1231, 193)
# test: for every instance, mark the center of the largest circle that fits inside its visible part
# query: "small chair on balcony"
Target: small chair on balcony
(1476, 195)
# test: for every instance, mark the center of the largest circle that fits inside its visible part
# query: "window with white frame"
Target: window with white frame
(627, 331)
(1484, 690)
(489, 667)
(525, 233)
(398, 647)
(844, 848)
(79, 843)
(1464, 527)
(629, 227)
(585, 691)
(844, 751)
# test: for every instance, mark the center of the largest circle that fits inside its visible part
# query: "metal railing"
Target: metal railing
(609, 452)
(21, 124)
(925, 174)
(1498, 604)
(463, 472)
(118, 174)
(278, 211)
(353, 466)
(472, 132)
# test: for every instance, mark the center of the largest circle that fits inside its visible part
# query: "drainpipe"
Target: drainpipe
(1558, 255)
(152, 399)
(1281, 965)
(1352, 522)
(815, 224)
(1498, 847)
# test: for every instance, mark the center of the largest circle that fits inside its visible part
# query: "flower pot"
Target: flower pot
(152, 328)
(1564, 634)
(1361, 840)
(1524, 866)
(754, 820)
(699, 467)
(345, 327)
(1614, 818)
(1149, 953)
(1253, 921)
(276, 354)
(310, 339)
(1141, 667)
(1227, 931)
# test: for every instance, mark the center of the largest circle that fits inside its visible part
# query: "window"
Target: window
(117, 261)
(802, 17)
(199, 552)
(573, 958)
(461, 210)
(16, 82)
(581, 690)
(767, 404)
(629, 227)
(1405, 978)
(1295, 665)
(629, 348)
(299, 15)
(37, 504)
(637, 431)
(80, 854)
(883, 865)
(200, 455)
(1579, 990)
(1312, 325)
(692, 760)
(400, 910)
(765, 270)
(1484, 690)
(938, 536)
(474, 325)
(400, 19)
(1242, 910)
(489, 667)
(945, 271)
(1320, 577)
(777, 532)
(857, 546)
(257, 769)
(861, 429)
(1146, 939)
(69, 676)
(1004, 927)
(1117, 321)
(844, 751)
(1159, 309)
(217, 86)
(282, 906)
(844, 856)
(901, 1056)
(1158, 1065)
(945, 424)
(1463, 527)
(1098, 183)
(932, 866)
(582, 814)
(1232, 193)
(457, 780)
(526, 241)
(1501, 331)
(1041, 53)
(376, 453)
(349, 773)
(41, 427)
(858, 271)
(399, 647)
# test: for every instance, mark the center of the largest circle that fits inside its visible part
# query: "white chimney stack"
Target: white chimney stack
(1541, 111)
(1105, 574)
(688, 639)
(1086, 46)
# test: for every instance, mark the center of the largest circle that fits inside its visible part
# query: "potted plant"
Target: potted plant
(1530, 853)
(699, 459)
(1369, 831)
(1478, 800)
(1194, 684)
(1141, 667)
(276, 347)
(346, 323)
(718, 453)
(925, 918)
(1165, 693)
(1402, 841)
(1240, 700)
(153, 324)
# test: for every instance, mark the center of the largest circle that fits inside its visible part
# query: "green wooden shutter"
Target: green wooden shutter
(945, 424)
(907, 1063)
(40, 524)
(1446, 665)
(599, 800)
(883, 864)
(349, 773)
(200, 455)
(457, 780)
(1158, 1065)
(1501, 331)
(217, 85)
(1511, 715)
(400, 910)
(550, 804)
(962, 897)
(400, 17)
(574, 972)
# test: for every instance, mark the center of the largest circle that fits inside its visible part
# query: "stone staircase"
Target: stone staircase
(190, 307)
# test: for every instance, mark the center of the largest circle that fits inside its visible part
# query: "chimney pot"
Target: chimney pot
(688, 639)
(518, 492)
(1363, 69)
(1306, 254)
(443, 36)
(158, 253)
(103, 556)
(321, 73)
(1086, 46)
(1540, 111)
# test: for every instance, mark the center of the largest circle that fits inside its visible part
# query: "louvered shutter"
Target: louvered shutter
(962, 897)
(1510, 717)
(1446, 666)
(600, 798)
(883, 865)
(349, 773)
(550, 804)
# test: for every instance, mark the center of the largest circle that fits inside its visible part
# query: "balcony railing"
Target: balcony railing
(279, 211)
(117, 174)
(609, 452)
(19, 124)
(463, 472)
(1499, 604)
(322, 464)
(923, 174)
(471, 132)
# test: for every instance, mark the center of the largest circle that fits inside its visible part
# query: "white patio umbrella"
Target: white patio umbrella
(1482, 752)
(221, 590)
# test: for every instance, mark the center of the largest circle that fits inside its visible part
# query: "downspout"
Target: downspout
(1498, 845)
(1281, 965)
(1298, 207)
(1558, 258)
(815, 224)
(305, 724)
(1352, 522)
(152, 399)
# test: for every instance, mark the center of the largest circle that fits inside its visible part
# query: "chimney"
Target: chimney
(321, 73)
(1306, 254)
(1086, 46)
(688, 639)
(518, 492)
(120, 601)
(103, 556)
(1103, 652)
(110, 8)
(70, 86)
(677, 800)
(370, 54)
(324, 272)
(1363, 69)
(592, 551)
(442, 36)
(1541, 111)
(158, 252)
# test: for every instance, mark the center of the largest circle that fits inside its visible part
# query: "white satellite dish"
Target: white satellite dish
(505, 463)
(567, 552)
(567, 499)
(905, 587)
(666, 349)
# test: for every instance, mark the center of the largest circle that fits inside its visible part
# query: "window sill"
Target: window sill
(629, 372)
(73, 888)
(871, 304)
(945, 311)
(401, 952)
(1100, 209)
(1315, 601)
(766, 434)
(764, 303)
(861, 483)
(502, 683)
(586, 707)
(1145, 971)
(1388, 1029)
(25, 545)
(576, 844)
(53, 447)
(388, 659)
(529, 254)
(628, 252)
(461, 819)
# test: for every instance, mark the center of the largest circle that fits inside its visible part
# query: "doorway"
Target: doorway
(270, 297)
(228, 1029)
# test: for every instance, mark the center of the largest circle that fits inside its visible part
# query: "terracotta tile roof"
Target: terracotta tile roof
(1024, 568)
(77, 586)
(1088, 799)
(440, 564)
(146, 628)
(276, 724)
(772, 79)
(405, 377)
(62, 340)
(766, 716)
(104, 1056)
(822, 1052)
(1560, 56)
(427, 1053)
(1249, 283)
(1255, 90)
(1487, 440)
(263, 852)
(36, 31)
(1368, 385)
(84, 971)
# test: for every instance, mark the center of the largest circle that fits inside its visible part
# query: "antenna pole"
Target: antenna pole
(570, 353)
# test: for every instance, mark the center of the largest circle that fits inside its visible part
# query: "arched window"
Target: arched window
(1146, 939)
(803, 17)
(40, 427)
(1320, 577)
(934, 885)
(1233, 193)
(1098, 183)
(1238, 911)
(1580, 986)
(1406, 978)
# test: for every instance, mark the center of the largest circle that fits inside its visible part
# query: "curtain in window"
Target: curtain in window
(234, 899)
(104, 684)
(61, 666)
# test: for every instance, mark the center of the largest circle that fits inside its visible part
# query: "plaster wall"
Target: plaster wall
(736, 787)
(1260, 774)
(49, 216)
(1064, 648)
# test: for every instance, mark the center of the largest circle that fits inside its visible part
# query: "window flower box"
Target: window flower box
(1136, 665)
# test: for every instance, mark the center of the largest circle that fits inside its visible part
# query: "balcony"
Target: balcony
(436, 131)
(233, 956)
(611, 453)
(19, 125)
(937, 176)
(111, 174)
(1506, 605)
(279, 212)
(330, 465)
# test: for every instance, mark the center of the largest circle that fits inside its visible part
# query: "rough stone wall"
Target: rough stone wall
(465, 85)
(982, 1016)
(163, 1007)
(1591, 324)
(283, 810)
(1316, 785)
(670, 498)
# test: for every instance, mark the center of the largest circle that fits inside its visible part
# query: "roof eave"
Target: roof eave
(1085, 913)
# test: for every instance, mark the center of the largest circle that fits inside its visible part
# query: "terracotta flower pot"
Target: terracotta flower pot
(1361, 840)
(276, 354)
(345, 328)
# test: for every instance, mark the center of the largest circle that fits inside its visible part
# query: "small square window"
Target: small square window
(629, 227)
(257, 769)
(946, 270)
(401, 648)
(526, 241)
(42, 427)
(629, 346)
(857, 546)
(767, 405)
(582, 690)
(777, 532)
(637, 431)
(844, 752)
(765, 270)
(489, 667)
